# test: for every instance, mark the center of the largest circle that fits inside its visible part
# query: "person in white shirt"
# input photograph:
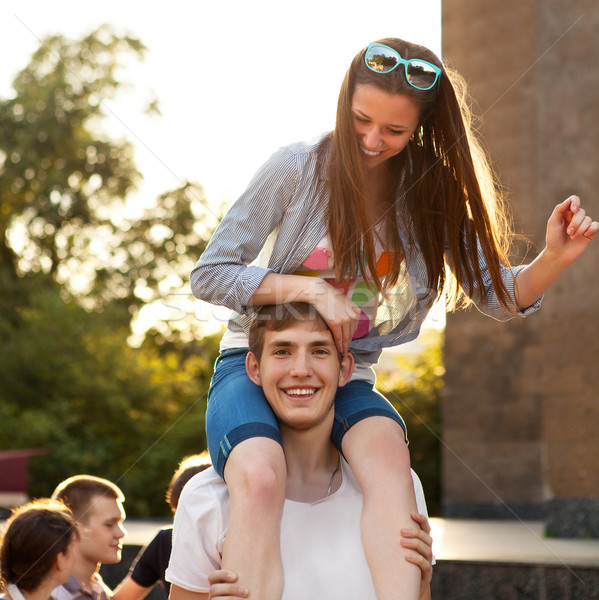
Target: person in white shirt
(294, 359)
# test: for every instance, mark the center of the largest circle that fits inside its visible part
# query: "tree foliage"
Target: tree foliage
(75, 269)
(414, 387)
(58, 171)
(72, 385)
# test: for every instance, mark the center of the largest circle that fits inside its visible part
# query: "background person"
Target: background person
(150, 564)
(37, 550)
(97, 506)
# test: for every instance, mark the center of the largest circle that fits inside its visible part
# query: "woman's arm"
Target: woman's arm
(569, 232)
(420, 541)
(223, 275)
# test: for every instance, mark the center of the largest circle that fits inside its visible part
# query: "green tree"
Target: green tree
(69, 382)
(59, 172)
(72, 385)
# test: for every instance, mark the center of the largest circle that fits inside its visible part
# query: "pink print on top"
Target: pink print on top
(321, 263)
(318, 259)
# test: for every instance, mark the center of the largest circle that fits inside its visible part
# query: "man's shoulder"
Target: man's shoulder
(204, 492)
(67, 590)
(352, 484)
(206, 481)
(73, 590)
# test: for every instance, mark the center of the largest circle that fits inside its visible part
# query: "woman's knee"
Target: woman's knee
(256, 472)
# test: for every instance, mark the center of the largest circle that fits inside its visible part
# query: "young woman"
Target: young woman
(369, 224)
(36, 552)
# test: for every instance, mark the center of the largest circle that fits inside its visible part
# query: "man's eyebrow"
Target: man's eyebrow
(322, 342)
(283, 343)
(279, 343)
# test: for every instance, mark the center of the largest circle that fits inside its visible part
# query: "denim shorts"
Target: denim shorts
(237, 409)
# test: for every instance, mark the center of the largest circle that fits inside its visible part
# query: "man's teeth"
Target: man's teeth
(368, 152)
(301, 392)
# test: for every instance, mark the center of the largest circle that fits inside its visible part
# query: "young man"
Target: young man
(97, 505)
(293, 358)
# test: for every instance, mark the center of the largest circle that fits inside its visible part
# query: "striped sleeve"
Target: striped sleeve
(223, 275)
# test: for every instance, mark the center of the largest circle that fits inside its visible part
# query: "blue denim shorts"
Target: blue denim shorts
(237, 409)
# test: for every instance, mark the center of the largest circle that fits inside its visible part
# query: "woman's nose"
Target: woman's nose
(371, 138)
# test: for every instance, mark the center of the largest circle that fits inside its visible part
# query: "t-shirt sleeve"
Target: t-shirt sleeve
(151, 562)
(419, 493)
(420, 499)
(198, 533)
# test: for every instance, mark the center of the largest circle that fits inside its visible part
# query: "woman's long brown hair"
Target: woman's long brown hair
(443, 191)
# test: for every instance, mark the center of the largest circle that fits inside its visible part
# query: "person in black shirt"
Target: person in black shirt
(150, 564)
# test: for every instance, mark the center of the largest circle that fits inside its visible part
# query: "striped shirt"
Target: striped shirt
(275, 225)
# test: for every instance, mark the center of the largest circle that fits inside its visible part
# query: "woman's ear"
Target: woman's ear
(253, 368)
(346, 369)
(63, 564)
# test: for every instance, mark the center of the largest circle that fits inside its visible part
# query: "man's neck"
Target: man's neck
(84, 571)
(311, 460)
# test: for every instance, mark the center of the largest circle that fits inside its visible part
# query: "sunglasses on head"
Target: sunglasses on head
(419, 74)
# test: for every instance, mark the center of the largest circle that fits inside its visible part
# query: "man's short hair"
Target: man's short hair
(78, 492)
(277, 317)
(188, 467)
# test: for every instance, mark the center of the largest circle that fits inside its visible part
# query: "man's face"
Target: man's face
(101, 531)
(300, 372)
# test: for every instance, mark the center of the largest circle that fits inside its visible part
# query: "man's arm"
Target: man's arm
(129, 590)
(178, 593)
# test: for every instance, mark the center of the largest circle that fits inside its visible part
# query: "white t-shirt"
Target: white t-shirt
(321, 544)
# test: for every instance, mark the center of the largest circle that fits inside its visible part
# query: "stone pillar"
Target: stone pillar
(521, 408)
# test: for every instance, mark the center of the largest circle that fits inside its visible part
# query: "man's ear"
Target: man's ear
(253, 368)
(346, 370)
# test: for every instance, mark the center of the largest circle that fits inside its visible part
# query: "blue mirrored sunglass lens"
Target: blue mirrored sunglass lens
(381, 59)
(420, 74)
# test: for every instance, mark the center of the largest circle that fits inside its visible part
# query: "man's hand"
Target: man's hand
(421, 543)
(223, 586)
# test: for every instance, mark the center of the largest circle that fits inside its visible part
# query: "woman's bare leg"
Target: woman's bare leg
(379, 457)
(255, 473)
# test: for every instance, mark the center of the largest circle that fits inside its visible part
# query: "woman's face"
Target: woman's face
(384, 123)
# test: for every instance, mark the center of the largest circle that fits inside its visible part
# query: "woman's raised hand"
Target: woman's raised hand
(569, 231)
(339, 312)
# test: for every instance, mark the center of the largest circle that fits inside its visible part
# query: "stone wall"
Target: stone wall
(521, 407)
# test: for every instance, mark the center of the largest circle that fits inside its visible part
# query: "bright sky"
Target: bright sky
(221, 120)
